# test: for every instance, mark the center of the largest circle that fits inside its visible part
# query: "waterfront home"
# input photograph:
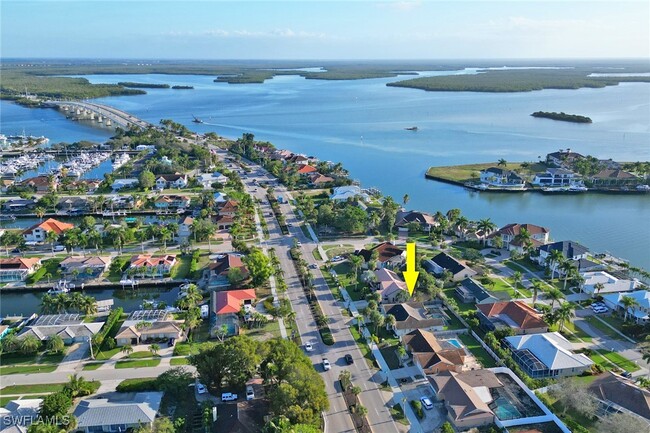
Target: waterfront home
(501, 178)
(318, 179)
(18, 204)
(444, 262)
(466, 396)
(18, 268)
(510, 235)
(85, 267)
(556, 177)
(97, 415)
(306, 169)
(146, 326)
(471, 292)
(17, 415)
(208, 179)
(145, 265)
(547, 355)
(387, 255)
(570, 250)
(5, 184)
(217, 271)
(602, 282)
(431, 355)
(226, 306)
(516, 315)
(563, 158)
(424, 220)
(185, 227)
(167, 201)
(41, 184)
(130, 182)
(73, 204)
(639, 312)
(148, 147)
(615, 178)
(343, 193)
(618, 394)
(175, 180)
(220, 197)
(391, 288)
(410, 316)
(37, 232)
(70, 327)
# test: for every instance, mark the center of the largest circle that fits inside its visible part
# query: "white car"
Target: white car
(201, 389)
(326, 364)
(308, 347)
(59, 248)
(600, 310)
(336, 259)
(228, 396)
(426, 402)
(250, 394)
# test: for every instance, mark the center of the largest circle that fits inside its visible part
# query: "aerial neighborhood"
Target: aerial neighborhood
(230, 286)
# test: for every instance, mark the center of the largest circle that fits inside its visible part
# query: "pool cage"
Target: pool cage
(531, 364)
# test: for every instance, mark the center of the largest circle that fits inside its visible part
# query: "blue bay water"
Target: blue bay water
(361, 123)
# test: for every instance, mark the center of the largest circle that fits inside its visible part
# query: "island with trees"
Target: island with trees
(575, 118)
(135, 85)
(183, 87)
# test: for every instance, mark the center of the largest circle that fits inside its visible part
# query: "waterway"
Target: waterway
(361, 123)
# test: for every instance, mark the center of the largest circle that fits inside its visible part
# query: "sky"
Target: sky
(324, 29)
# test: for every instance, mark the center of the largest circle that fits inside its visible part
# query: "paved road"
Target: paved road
(375, 400)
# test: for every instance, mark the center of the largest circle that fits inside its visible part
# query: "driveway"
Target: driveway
(433, 418)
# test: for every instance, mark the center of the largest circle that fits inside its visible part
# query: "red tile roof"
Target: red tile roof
(19, 263)
(51, 225)
(515, 229)
(306, 168)
(230, 301)
(149, 261)
(518, 311)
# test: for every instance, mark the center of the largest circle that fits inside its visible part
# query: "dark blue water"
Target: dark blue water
(361, 123)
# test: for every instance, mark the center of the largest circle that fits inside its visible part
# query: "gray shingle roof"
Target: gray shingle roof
(101, 412)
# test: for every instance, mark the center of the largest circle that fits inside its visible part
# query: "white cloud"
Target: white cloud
(280, 33)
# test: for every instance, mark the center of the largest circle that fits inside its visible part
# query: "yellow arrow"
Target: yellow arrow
(410, 274)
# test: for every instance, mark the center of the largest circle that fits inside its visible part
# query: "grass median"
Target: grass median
(140, 363)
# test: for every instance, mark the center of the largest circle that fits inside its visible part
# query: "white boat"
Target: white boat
(643, 188)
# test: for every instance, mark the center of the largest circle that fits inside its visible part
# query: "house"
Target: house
(390, 286)
(176, 180)
(71, 204)
(229, 208)
(466, 396)
(471, 292)
(502, 178)
(639, 312)
(556, 177)
(410, 316)
(547, 355)
(152, 266)
(510, 235)
(70, 327)
(18, 204)
(5, 184)
(432, 355)
(185, 227)
(563, 158)
(85, 267)
(219, 269)
(220, 197)
(615, 178)
(610, 284)
(225, 308)
(306, 169)
(172, 202)
(148, 147)
(18, 268)
(208, 179)
(99, 415)
(343, 193)
(388, 255)
(38, 232)
(444, 262)
(144, 326)
(17, 415)
(318, 179)
(41, 184)
(425, 220)
(570, 250)
(516, 315)
(130, 182)
(620, 394)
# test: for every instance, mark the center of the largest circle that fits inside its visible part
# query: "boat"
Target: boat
(196, 119)
(643, 188)
(7, 218)
(60, 287)
(412, 128)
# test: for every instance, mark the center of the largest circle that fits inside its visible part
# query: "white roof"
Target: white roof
(552, 349)
(611, 283)
(642, 297)
(345, 192)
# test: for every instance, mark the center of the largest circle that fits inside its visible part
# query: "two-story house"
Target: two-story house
(38, 232)
(511, 235)
(171, 181)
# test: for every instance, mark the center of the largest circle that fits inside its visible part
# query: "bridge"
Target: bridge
(102, 114)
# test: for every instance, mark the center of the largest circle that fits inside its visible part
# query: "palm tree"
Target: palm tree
(48, 304)
(628, 303)
(566, 266)
(554, 260)
(193, 296)
(127, 349)
(390, 321)
(154, 348)
(565, 313)
(165, 235)
(554, 295)
(537, 287)
(75, 384)
(598, 287)
(40, 212)
(51, 237)
(94, 238)
(516, 278)
(405, 199)
(356, 262)
(89, 305)
(502, 162)
(55, 344)
(29, 345)
(487, 226)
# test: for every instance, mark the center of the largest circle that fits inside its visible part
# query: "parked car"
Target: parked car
(626, 374)
(426, 402)
(228, 396)
(336, 259)
(349, 359)
(599, 310)
(313, 266)
(308, 347)
(201, 389)
(250, 394)
(326, 364)
(58, 248)
(170, 342)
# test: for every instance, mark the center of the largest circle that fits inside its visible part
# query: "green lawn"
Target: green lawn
(50, 266)
(453, 322)
(477, 350)
(390, 356)
(138, 363)
(179, 361)
(115, 272)
(337, 250)
(182, 268)
(398, 414)
(26, 369)
(141, 354)
(507, 285)
(316, 254)
(462, 307)
(603, 328)
(93, 365)
(334, 288)
(107, 354)
(5, 400)
(270, 330)
(558, 408)
(32, 389)
(17, 358)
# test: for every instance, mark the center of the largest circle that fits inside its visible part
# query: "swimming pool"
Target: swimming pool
(505, 410)
(455, 342)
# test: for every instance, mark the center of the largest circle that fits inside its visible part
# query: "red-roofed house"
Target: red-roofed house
(226, 217)
(306, 169)
(225, 306)
(152, 266)
(319, 179)
(37, 232)
(218, 271)
(517, 315)
(17, 269)
(41, 184)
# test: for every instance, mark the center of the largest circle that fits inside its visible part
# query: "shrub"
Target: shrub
(138, 385)
(417, 407)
